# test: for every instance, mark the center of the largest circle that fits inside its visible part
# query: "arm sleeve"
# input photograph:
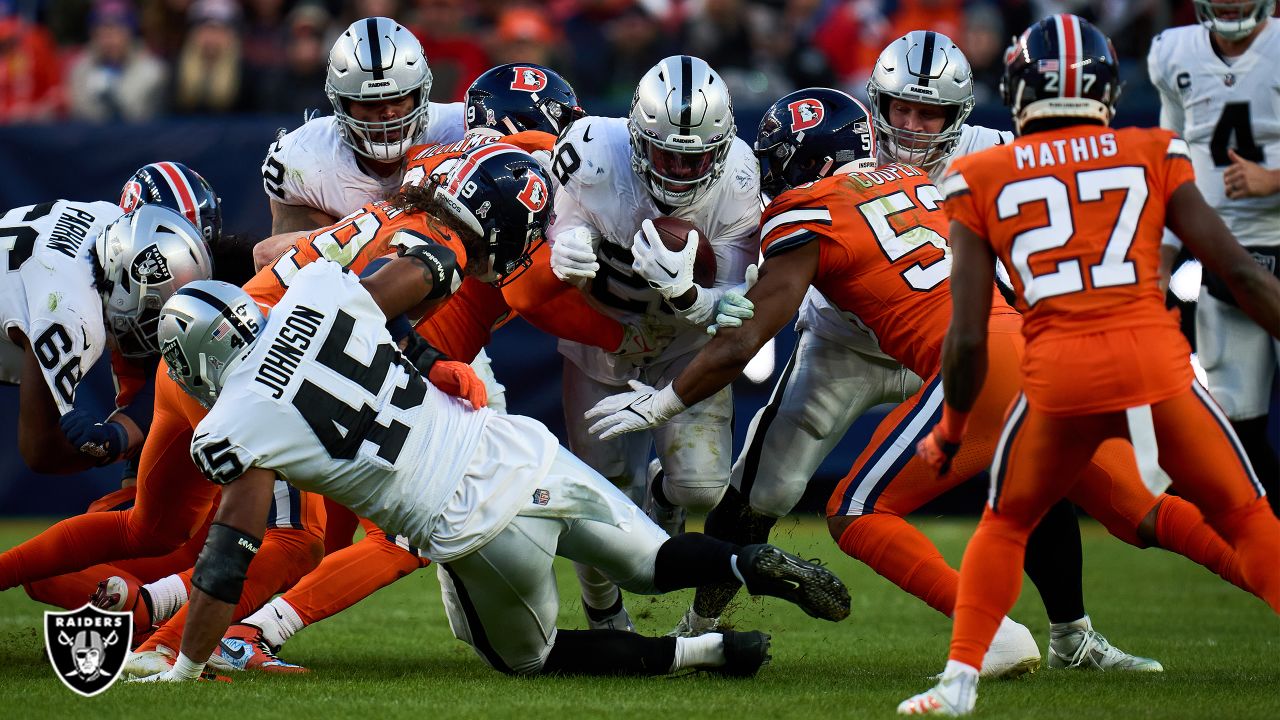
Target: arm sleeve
(559, 309)
(1172, 115)
(959, 203)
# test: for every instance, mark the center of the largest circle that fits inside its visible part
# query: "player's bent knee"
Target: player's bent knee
(777, 499)
(838, 524)
(693, 499)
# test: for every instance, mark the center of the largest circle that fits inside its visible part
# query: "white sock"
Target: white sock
(168, 595)
(277, 620)
(733, 565)
(1059, 630)
(958, 668)
(701, 651)
(598, 591)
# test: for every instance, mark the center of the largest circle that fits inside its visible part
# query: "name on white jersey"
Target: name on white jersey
(286, 351)
(69, 231)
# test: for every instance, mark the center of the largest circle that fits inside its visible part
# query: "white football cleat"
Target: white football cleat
(955, 694)
(1013, 653)
(620, 620)
(1077, 645)
(151, 662)
(693, 625)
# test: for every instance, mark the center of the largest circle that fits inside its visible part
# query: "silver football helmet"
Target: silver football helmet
(206, 329)
(921, 67)
(143, 258)
(377, 59)
(1233, 20)
(682, 127)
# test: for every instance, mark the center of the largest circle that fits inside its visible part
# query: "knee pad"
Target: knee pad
(694, 499)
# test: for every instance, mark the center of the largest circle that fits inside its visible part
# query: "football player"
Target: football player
(492, 497)
(1212, 77)
(1095, 318)
(676, 154)
(83, 277)
(836, 234)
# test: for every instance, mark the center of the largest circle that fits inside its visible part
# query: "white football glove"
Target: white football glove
(668, 272)
(573, 255)
(734, 307)
(644, 340)
(639, 409)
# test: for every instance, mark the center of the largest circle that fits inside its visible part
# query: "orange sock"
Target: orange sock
(350, 575)
(990, 580)
(72, 590)
(1180, 528)
(1254, 533)
(902, 554)
(285, 557)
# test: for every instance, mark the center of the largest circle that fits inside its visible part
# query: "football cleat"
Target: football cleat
(693, 625)
(955, 694)
(1083, 648)
(620, 620)
(744, 653)
(150, 662)
(242, 648)
(1013, 652)
(767, 570)
(119, 594)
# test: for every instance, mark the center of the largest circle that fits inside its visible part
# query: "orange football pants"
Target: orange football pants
(1042, 459)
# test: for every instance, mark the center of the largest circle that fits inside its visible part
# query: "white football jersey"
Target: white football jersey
(47, 291)
(1217, 106)
(326, 401)
(311, 166)
(599, 191)
(831, 323)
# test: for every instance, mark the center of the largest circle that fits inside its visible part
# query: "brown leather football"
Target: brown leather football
(674, 231)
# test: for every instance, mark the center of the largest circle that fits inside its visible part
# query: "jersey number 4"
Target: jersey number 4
(1113, 269)
(342, 429)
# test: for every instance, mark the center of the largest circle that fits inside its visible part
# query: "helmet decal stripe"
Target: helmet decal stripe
(182, 191)
(926, 61)
(686, 91)
(1069, 55)
(472, 161)
(375, 47)
(223, 309)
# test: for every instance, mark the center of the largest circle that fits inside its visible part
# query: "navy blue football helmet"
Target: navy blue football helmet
(808, 135)
(1061, 67)
(178, 188)
(503, 195)
(515, 97)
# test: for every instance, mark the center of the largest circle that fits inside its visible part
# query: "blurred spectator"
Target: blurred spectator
(944, 16)
(745, 43)
(983, 43)
(30, 73)
(263, 34)
(115, 78)
(68, 21)
(852, 36)
(298, 85)
(614, 42)
(210, 73)
(525, 34)
(455, 56)
(164, 25)
(360, 9)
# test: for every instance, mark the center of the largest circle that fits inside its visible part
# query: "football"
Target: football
(674, 232)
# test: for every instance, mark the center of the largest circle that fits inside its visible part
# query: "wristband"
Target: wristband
(953, 424)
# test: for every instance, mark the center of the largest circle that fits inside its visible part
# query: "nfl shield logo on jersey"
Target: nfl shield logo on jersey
(87, 647)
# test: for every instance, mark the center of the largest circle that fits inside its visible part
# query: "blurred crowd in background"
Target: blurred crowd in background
(135, 60)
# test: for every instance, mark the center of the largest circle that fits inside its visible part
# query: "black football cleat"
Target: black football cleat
(744, 653)
(767, 570)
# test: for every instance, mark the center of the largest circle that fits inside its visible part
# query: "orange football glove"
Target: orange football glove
(459, 380)
(939, 447)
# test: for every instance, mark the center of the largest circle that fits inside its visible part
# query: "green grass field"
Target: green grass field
(393, 655)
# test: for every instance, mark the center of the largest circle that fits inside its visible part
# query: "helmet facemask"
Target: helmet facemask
(678, 174)
(1233, 20)
(921, 149)
(383, 141)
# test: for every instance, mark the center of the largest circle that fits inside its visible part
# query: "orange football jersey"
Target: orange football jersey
(885, 262)
(1077, 216)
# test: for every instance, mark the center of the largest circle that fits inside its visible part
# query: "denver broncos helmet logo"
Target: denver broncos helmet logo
(534, 195)
(805, 114)
(528, 79)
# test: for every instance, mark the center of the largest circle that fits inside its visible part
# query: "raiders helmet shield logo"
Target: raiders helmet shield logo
(528, 79)
(805, 114)
(150, 267)
(174, 357)
(87, 647)
(534, 195)
(131, 196)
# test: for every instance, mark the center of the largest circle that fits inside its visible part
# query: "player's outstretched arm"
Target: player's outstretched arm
(1203, 232)
(411, 284)
(44, 447)
(234, 538)
(267, 250)
(964, 351)
(293, 218)
(784, 279)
